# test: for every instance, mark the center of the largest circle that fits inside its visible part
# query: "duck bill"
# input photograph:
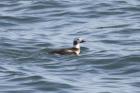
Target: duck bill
(82, 41)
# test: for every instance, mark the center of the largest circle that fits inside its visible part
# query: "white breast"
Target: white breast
(77, 52)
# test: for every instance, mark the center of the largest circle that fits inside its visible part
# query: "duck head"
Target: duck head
(77, 41)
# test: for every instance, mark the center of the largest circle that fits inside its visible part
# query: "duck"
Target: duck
(75, 50)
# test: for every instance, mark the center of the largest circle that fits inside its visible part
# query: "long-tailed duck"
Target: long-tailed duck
(73, 50)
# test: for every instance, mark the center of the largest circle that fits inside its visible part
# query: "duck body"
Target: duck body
(66, 51)
(75, 50)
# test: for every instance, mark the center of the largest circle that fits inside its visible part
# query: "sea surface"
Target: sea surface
(109, 61)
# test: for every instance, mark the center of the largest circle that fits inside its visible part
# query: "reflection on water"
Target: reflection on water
(108, 63)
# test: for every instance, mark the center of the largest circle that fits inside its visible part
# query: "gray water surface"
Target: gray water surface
(109, 60)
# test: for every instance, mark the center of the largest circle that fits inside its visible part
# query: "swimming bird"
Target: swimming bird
(68, 51)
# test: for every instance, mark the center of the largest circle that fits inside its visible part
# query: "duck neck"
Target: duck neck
(77, 46)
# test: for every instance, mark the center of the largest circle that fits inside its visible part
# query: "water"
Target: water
(108, 63)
